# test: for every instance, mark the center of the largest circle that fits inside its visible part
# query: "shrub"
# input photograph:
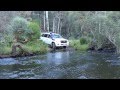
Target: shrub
(34, 27)
(4, 50)
(77, 46)
(74, 42)
(19, 27)
(81, 47)
(83, 41)
(36, 47)
(19, 22)
(8, 38)
(22, 29)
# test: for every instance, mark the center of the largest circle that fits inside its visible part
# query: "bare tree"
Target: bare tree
(44, 20)
(47, 21)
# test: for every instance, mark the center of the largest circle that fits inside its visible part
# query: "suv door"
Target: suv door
(49, 40)
(44, 38)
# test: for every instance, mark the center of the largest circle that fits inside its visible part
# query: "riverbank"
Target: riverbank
(28, 49)
(15, 56)
(33, 54)
(50, 50)
(38, 48)
(34, 48)
(77, 45)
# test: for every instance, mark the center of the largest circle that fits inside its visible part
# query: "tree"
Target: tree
(47, 21)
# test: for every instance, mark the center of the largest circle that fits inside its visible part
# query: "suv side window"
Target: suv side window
(45, 35)
(42, 35)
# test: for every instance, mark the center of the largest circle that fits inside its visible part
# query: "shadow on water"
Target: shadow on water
(62, 64)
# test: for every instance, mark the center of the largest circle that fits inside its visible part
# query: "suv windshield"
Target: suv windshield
(56, 36)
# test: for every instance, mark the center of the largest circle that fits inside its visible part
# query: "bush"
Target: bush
(36, 47)
(74, 42)
(78, 46)
(19, 28)
(81, 47)
(5, 50)
(22, 29)
(19, 22)
(8, 38)
(34, 27)
(83, 41)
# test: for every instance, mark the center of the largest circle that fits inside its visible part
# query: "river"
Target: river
(62, 65)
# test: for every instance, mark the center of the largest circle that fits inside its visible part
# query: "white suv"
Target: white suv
(54, 40)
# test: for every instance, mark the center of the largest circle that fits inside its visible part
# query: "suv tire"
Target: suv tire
(64, 47)
(53, 46)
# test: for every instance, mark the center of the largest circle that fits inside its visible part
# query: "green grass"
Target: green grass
(78, 46)
(5, 50)
(33, 47)
(36, 47)
(83, 47)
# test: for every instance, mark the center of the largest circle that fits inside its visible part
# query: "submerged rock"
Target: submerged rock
(82, 77)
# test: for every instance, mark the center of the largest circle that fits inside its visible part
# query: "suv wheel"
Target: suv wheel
(64, 47)
(53, 46)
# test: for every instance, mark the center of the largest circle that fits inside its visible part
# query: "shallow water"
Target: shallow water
(62, 65)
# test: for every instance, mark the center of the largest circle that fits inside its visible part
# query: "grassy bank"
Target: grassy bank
(36, 47)
(78, 46)
(33, 47)
(5, 50)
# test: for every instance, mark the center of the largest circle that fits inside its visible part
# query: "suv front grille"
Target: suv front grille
(63, 41)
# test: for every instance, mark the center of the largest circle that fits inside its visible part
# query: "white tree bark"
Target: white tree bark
(44, 21)
(47, 21)
(53, 24)
(58, 25)
(99, 28)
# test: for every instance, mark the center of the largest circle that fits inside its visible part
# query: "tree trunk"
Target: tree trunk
(44, 20)
(14, 47)
(99, 28)
(82, 30)
(47, 21)
(58, 25)
(53, 24)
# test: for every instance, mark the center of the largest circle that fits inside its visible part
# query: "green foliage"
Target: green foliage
(34, 27)
(19, 27)
(83, 41)
(22, 29)
(19, 24)
(74, 42)
(36, 21)
(78, 46)
(33, 47)
(4, 49)
(8, 39)
(83, 47)
(36, 47)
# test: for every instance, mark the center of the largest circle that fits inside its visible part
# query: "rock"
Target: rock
(82, 77)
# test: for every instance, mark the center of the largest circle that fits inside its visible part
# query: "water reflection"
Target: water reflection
(58, 58)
